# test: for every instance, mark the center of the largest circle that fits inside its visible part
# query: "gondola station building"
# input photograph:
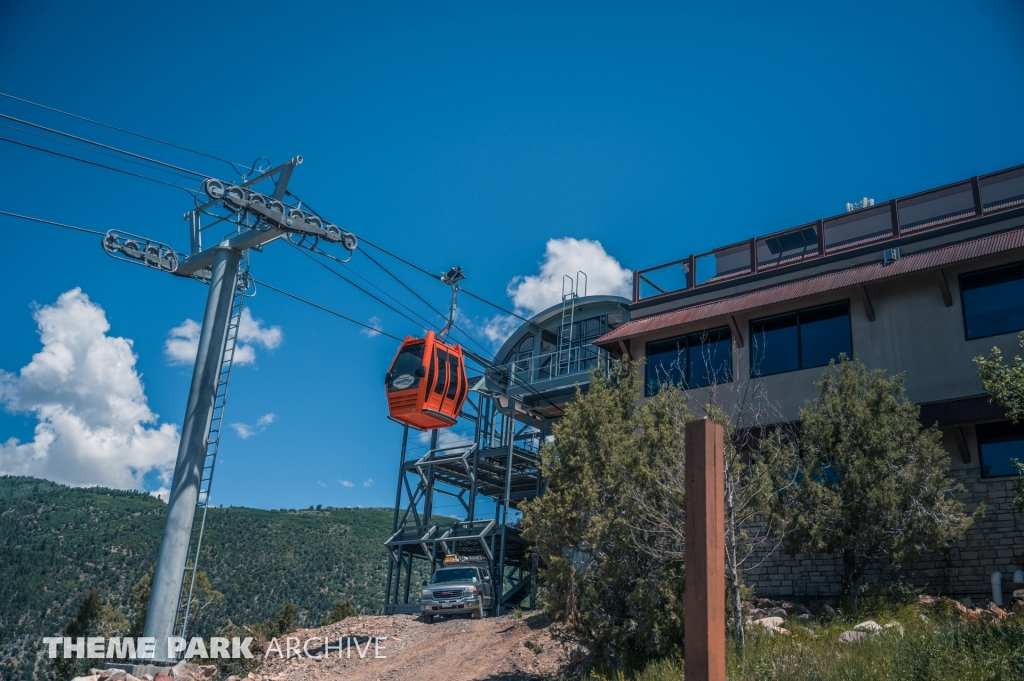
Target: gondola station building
(920, 285)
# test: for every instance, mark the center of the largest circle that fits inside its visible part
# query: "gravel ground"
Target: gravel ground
(453, 649)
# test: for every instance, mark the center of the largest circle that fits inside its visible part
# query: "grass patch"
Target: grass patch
(942, 649)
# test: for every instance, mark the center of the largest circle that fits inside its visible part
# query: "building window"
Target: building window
(800, 340)
(1000, 444)
(692, 361)
(993, 301)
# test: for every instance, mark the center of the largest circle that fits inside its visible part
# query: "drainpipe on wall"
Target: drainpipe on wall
(997, 588)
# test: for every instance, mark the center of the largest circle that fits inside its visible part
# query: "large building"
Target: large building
(920, 284)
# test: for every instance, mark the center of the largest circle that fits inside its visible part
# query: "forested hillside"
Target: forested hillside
(57, 543)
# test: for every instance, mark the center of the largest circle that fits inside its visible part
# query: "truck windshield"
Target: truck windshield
(454, 575)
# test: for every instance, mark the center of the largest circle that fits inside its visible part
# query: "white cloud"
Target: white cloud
(499, 327)
(245, 431)
(345, 483)
(321, 483)
(183, 341)
(371, 333)
(368, 483)
(537, 292)
(95, 426)
(163, 494)
(446, 437)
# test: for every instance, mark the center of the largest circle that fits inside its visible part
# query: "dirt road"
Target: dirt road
(499, 648)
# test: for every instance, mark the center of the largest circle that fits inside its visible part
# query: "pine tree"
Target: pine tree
(623, 604)
(1005, 386)
(874, 484)
(342, 609)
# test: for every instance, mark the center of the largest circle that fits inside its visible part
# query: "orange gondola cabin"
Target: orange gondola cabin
(426, 385)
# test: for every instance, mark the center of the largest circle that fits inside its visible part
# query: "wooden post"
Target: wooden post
(704, 646)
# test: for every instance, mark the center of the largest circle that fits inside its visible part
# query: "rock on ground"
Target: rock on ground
(852, 636)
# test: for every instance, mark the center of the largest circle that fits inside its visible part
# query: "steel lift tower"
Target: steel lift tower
(235, 218)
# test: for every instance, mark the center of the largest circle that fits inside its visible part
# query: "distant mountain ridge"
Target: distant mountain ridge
(59, 542)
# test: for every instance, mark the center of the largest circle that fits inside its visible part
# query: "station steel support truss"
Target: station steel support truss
(500, 462)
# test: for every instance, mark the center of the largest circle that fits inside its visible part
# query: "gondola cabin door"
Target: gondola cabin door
(426, 385)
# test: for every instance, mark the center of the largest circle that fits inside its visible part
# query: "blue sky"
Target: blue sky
(462, 133)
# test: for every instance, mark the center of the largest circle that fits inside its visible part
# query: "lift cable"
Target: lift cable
(406, 286)
(103, 146)
(327, 310)
(428, 324)
(465, 333)
(391, 274)
(484, 364)
(234, 165)
(430, 274)
(50, 222)
(357, 286)
(101, 153)
(191, 192)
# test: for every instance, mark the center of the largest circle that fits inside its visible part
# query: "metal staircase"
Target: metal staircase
(212, 445)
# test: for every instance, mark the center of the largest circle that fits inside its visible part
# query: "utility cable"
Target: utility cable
(428, 273)
(407, 287)
(50, 222)
(101, 153)
(99, 165)
(382, 291)
(434, 276)
(424, 301)
(128, 132)
(327, 310)
(357, 286)
(103, 146)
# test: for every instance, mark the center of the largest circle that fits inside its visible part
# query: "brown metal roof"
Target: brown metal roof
(961, 411)
(822, 283)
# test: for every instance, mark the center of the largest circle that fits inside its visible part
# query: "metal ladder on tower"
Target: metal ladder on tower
(565, 350)
(212, 445)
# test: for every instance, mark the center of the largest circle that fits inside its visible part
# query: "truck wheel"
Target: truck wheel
(429, 619)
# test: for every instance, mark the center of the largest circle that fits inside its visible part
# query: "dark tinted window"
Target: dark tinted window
(442, 371)
(824, 333)
(453, 378)
(403, 371)
(800, 340)
(710, 358)
(1000, 444)
(993, 301)
(692, 361)
(775, 345)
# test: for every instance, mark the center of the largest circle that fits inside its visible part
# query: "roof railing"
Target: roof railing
(983, 195)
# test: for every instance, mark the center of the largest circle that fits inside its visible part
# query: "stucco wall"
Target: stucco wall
(913, 332)
(916, 334)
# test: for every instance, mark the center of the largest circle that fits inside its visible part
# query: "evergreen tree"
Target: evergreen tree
(873, 483)
(285, 620)
(1005, 386)
(623, 604)
(342, 609)
(92, 619)
(139, 602)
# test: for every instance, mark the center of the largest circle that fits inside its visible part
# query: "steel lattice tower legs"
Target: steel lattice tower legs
(181, 506)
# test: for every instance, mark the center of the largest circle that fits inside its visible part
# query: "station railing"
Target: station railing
(958, 202)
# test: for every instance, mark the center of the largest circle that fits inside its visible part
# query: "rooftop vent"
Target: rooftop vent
(863, 203)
